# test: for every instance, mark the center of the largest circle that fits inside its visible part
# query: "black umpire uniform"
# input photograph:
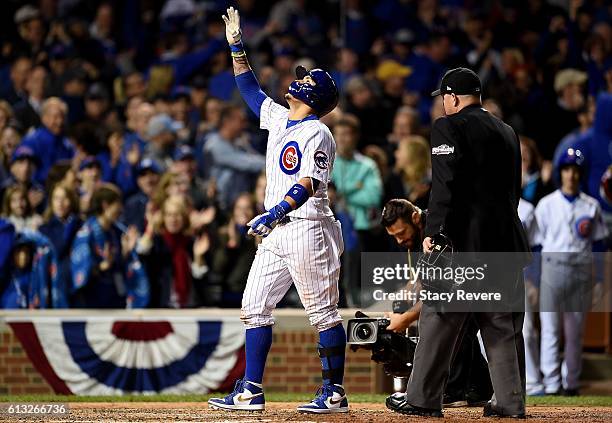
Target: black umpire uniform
(476, 185)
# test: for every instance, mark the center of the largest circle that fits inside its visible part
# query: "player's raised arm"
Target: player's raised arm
(245, 78)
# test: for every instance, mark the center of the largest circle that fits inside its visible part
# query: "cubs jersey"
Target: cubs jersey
(569, 226)
(306, 149)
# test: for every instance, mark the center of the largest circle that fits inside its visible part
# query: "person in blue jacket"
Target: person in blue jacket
(48, 141)
(31, 274)
(106, 271)
(61, 225)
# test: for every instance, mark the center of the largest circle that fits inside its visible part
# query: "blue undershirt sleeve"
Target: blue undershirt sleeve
(251, 91)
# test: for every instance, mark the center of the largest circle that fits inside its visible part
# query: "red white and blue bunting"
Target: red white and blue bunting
(106, 356)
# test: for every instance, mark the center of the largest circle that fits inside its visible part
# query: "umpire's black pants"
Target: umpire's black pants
(469, 371)
(440, 336)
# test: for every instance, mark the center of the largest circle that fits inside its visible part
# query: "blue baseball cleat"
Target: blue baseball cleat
(247, 396)
(329, 399)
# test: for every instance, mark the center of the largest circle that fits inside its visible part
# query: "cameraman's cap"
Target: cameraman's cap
(459, 81)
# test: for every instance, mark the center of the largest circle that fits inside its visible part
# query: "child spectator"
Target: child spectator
(61, 225)
(23, 166)
(106, 272)
(32, 274)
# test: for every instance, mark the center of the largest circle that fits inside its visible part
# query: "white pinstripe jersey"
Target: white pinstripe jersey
(304, 150)
(569, 227)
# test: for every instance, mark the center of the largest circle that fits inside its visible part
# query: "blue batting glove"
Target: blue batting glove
(264, 223)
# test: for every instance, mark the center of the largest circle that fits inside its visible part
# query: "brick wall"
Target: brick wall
(294, 366)
(17, 374)
(293, 363)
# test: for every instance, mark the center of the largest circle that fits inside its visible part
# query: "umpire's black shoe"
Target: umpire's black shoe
(454, 400)
(489, 411)
(477, 399)
(411, 410)
(395, 399)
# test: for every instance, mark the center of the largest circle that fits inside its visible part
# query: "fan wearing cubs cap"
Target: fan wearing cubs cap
(569, 228)
(22, 168)
(302, 240)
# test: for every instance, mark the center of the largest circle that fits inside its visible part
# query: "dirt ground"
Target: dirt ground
(285, 412)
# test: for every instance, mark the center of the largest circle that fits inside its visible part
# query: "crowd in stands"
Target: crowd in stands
(129, 165)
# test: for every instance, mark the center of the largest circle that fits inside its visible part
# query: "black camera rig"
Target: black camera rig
(394, 351)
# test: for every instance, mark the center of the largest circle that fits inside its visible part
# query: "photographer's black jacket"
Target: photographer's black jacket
(476, 183)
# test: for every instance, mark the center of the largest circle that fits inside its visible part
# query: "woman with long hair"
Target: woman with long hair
(61, 223)
(172, 256)
(16, 208)
(413, 164)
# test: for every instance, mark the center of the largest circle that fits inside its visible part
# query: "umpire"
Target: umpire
(476, 185)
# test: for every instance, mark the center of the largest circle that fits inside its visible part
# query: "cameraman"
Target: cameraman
(469, 382)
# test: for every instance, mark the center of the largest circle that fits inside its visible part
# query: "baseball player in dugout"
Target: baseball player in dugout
(476, 185)
(468, 383)
(302, 241)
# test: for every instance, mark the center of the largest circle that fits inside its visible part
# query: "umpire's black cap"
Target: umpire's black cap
(459, 81)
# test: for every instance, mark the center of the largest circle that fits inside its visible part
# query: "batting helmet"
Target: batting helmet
(322, 96)
(605, 186)
(571, 157)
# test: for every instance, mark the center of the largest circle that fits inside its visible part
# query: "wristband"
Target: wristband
(280, 210)
(299, 194)
(237, 48)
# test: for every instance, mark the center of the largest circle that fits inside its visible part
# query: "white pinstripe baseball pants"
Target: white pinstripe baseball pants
(305, 252)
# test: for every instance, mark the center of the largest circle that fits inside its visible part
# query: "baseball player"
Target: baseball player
(570, 225)
(302, 240)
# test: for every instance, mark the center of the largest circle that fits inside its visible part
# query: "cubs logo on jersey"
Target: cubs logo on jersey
(321, 160)
(584, 227)
(290, 158)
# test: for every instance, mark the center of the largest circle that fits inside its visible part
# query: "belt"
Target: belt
(288, 219)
